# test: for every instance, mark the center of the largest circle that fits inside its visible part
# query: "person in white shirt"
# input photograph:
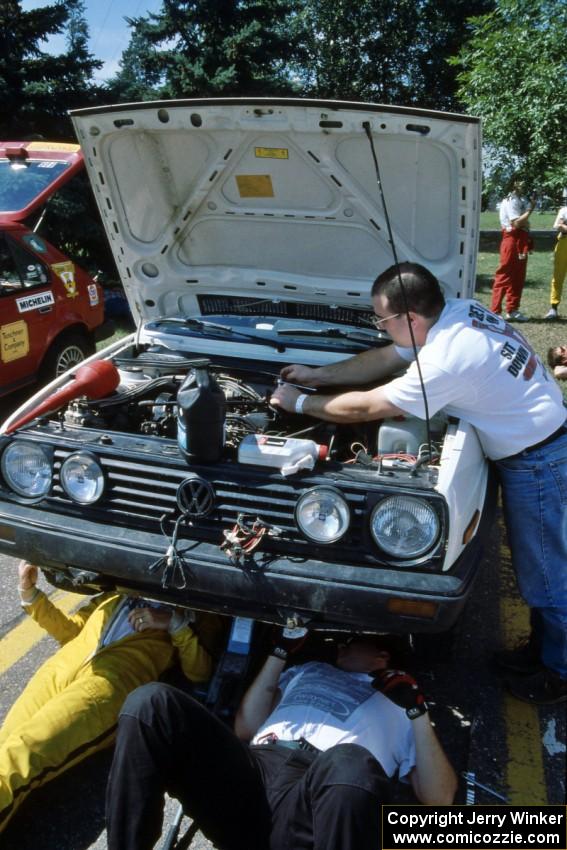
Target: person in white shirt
(313, 756)
(515, 245)
(559, 264)
(476, 367)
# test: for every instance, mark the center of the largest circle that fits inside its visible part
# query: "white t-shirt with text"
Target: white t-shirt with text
(479, 368)
(328, 706)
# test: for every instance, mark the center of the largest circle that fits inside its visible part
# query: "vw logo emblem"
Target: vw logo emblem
(195, 497)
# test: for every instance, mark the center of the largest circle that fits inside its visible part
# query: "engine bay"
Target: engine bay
(146, 403)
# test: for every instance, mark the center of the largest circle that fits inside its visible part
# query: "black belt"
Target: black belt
(300, 744)
(560, 431)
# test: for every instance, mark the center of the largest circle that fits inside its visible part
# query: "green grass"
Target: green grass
(539, 220)
(122, 328)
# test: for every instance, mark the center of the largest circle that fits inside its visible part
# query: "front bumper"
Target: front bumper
(327, 595)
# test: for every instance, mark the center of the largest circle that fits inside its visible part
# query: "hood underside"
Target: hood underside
(279, 199)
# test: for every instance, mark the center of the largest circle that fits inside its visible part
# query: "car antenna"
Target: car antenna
(367, 130)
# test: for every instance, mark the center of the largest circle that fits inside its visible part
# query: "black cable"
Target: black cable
(366, 126)
(176, 570)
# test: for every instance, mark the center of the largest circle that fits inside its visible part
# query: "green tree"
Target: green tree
(140, 76)
(197, 48)
(512, 74)
(37, 88)
(339, 46)
(394, 51)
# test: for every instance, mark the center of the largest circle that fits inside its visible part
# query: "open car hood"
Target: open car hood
(279, 199)
(31, 172)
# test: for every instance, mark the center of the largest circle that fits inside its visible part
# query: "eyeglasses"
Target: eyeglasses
(378, 321)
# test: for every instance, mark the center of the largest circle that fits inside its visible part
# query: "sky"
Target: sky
(109, 33)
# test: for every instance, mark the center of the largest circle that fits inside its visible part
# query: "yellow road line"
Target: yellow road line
(525, 774)
(25, 635)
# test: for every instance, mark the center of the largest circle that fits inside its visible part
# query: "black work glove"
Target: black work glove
(402, 689)
(287, 641)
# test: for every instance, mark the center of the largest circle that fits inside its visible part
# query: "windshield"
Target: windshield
(22, 181)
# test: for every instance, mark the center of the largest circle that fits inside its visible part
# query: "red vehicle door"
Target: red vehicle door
(27, 307)
(45, 302)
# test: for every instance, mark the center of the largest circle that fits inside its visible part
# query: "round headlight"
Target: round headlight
(404, 527)
(26, 468)
(323, 515)
(82, 478)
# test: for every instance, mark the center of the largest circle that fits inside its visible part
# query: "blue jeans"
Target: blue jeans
(534, 494)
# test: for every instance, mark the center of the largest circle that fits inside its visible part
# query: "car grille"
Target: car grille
(139, 494)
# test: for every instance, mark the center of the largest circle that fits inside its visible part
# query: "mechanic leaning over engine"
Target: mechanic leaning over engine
(479, 368)
(70, 707)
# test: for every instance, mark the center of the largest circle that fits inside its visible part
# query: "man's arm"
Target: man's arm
(522, 222)
(433, 779)
(560, 372)
(63, 627)
(364, 368)
(259, 700)
(356, 406)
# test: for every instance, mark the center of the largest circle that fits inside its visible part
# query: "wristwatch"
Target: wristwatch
(279, 652)
(417, 710)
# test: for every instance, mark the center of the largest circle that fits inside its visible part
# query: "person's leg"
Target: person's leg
(534, 490)
(49, 680)
(502, 276)
(559, 271)
(167, 741)
(516, 284)
(64, 730)
(335, 805)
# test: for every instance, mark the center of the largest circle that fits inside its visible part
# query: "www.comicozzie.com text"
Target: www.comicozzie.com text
(509, 827)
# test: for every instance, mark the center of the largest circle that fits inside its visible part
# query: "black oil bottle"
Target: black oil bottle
(200, 417)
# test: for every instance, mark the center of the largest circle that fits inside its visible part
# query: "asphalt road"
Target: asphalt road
(514, 749)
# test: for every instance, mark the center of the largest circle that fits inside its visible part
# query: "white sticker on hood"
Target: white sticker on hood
(93, 294)
(34, 302)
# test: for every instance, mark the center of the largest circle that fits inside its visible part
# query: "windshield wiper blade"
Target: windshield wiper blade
(361, 335)
(201, 325)
(190, 322)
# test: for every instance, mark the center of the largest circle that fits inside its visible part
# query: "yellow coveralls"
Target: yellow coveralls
(559, 269)
(70, 707)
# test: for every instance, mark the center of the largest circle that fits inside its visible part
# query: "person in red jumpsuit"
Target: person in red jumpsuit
(516, 243)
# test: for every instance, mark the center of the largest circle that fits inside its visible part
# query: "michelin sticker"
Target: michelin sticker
(66, 272)
(93, 294)
(34, 302)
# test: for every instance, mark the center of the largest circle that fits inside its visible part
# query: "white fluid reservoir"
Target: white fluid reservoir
(401, 435)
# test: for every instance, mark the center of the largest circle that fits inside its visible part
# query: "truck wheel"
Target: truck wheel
(66, 353)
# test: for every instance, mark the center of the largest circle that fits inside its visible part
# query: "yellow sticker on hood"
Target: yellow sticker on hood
(53, 146)
(14, 341)
(66, 272)
(255, 185)
(272, 153)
